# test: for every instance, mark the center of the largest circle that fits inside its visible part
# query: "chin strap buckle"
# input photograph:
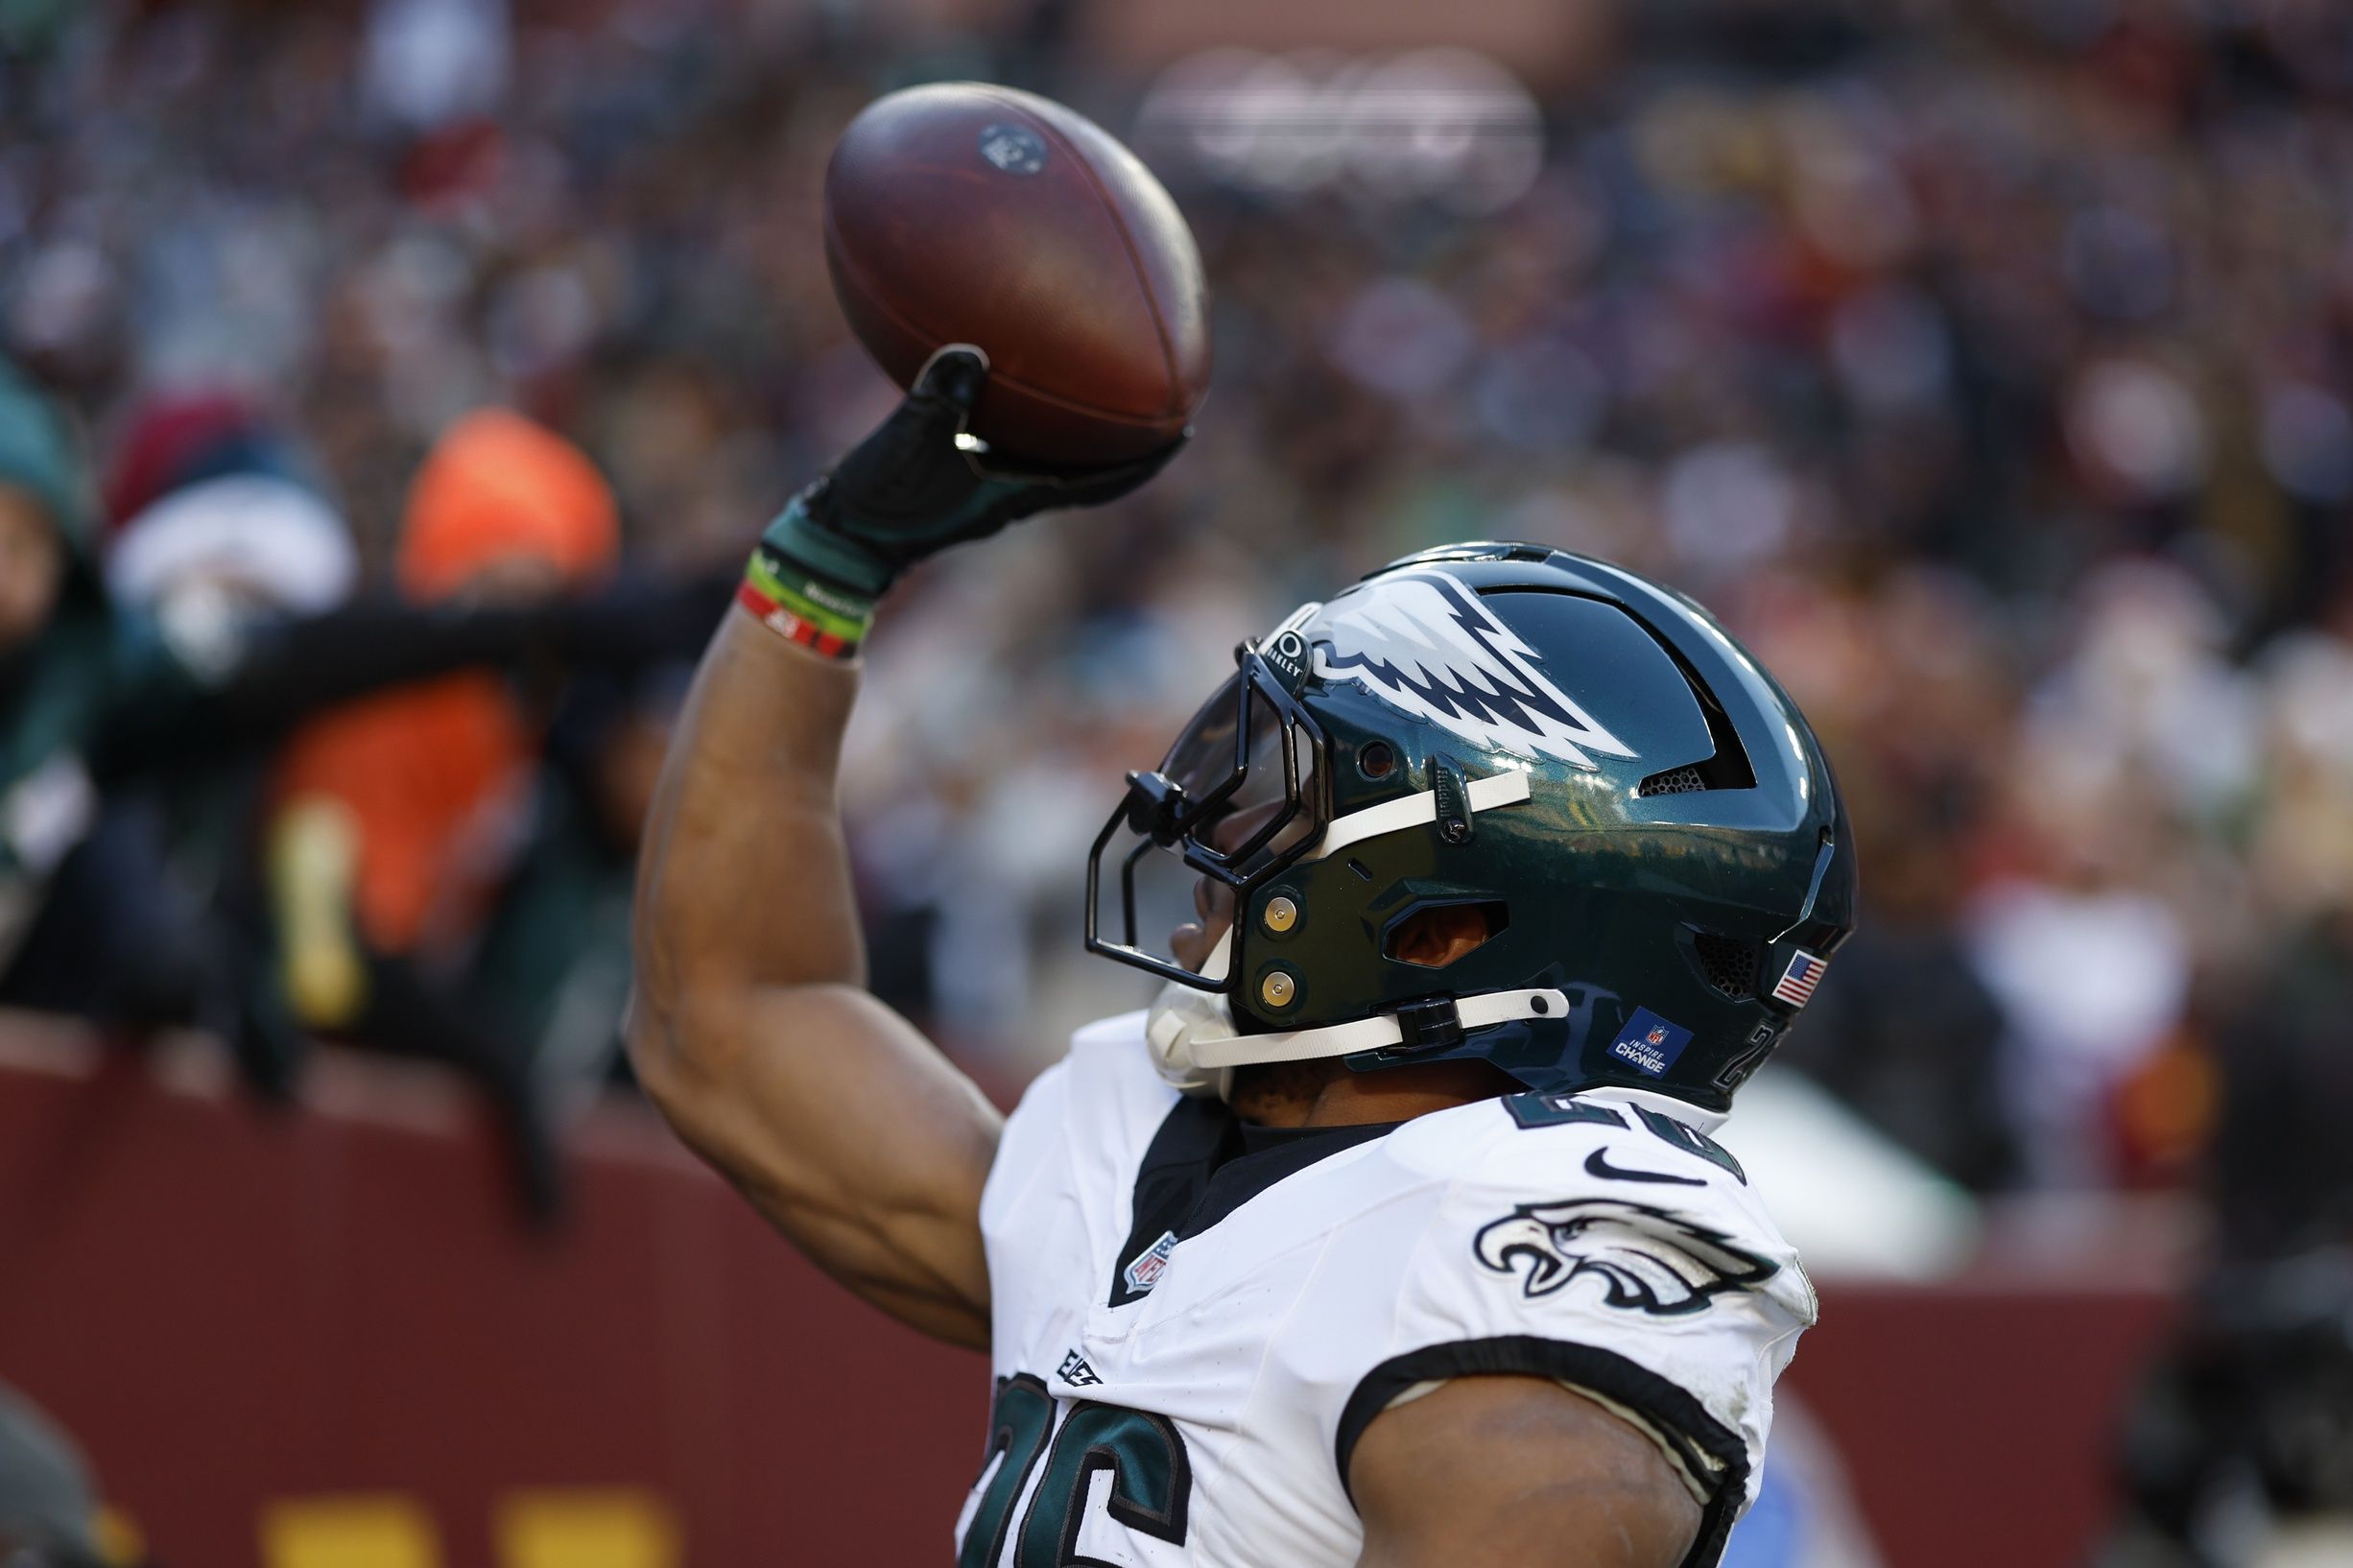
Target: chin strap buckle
(1433, 1024)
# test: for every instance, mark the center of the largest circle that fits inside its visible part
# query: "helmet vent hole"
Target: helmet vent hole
(1438, 934)
(1358, 867)
(1730, 963)
(1376, 759)
(1684, 780)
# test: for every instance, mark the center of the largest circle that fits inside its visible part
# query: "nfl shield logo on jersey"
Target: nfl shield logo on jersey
(1145, 1269)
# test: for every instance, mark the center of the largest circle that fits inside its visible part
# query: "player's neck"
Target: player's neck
(1305, 1094)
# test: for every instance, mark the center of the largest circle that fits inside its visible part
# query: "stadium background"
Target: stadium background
(1983, 361)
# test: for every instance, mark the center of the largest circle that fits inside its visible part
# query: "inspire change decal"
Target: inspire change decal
(1648, 1043)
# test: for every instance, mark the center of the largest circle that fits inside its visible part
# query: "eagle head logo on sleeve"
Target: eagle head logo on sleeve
(1648, 1259)
(1422, 641)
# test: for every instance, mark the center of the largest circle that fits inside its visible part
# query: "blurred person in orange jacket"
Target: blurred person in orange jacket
(400, 815)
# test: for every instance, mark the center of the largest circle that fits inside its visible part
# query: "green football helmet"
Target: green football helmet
(1645, 823)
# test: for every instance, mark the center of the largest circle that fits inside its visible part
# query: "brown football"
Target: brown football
(961, 212)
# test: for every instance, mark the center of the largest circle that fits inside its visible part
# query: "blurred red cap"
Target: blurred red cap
(165, 438)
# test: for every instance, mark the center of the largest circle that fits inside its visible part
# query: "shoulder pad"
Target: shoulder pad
(1580, 1202)
(1533, 1109)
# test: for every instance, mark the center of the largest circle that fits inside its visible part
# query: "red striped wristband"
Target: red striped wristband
(801, 610)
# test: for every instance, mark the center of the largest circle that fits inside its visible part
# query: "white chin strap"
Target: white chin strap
(1191, 1031)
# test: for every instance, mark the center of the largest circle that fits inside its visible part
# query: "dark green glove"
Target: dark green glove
(914, 486)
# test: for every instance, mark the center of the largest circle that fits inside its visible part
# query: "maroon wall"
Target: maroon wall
(229, 1307)
(1976, 1422)
(232, 1307)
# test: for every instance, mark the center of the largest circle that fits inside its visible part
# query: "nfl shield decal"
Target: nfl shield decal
(1648, 1043)
(1145, 1269)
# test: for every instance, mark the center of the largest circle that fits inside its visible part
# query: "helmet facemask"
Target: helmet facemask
(1235, 802)
(1243, 798)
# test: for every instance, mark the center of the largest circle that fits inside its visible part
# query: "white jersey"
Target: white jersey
(1193, 1321)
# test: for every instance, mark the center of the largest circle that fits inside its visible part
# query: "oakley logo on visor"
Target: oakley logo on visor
(1424, 643)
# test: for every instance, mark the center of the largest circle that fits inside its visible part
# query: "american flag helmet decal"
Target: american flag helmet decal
(1798, 982)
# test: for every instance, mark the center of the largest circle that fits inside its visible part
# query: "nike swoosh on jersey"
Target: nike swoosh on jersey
(1598, 1164)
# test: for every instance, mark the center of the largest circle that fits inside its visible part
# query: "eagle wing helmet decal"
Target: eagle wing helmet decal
(1423, 642)
(1648, 1259)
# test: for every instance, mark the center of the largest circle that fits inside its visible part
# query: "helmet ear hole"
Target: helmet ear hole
(1731, 965)
(1376, 759)
(1433, 935)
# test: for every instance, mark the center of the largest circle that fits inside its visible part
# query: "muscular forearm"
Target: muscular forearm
(745, 880)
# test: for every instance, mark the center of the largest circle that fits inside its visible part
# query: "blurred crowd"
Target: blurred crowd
(1989, 365)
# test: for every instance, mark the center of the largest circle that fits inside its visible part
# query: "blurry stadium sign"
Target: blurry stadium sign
(1552, 42)
(1447, 126)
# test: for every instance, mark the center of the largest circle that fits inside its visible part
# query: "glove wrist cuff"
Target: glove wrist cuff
(802, 605)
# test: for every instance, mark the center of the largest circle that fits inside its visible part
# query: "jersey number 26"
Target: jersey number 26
(1151, 1479)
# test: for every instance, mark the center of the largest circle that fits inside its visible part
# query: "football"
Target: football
(961, 212)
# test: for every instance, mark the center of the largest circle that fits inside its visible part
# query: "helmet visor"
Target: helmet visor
(1235, 800)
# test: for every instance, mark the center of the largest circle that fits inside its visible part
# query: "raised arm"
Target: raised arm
(752, 1028)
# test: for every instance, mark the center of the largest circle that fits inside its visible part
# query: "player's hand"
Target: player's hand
(912, 487)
